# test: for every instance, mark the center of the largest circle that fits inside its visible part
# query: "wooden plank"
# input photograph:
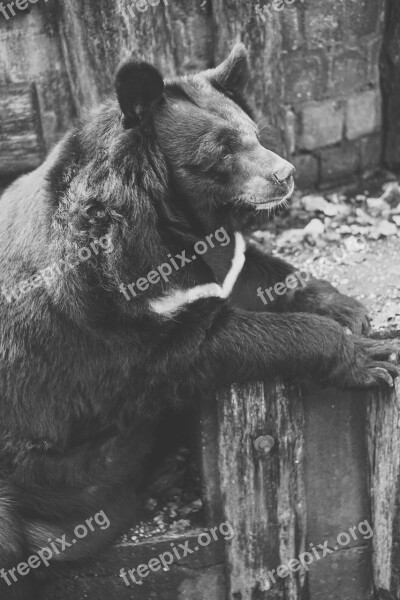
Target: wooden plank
(178, 584)
(174, 35)
(31, 52)
(235, 20)
(344, 575)
(199, 576)
(384, 463)
(208, 461)
(21, 139)
(390, 84)
(263, 493)
(337, 493)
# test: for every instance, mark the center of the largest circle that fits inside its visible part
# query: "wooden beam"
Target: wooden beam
(175, 36)
(390, 85)
(384, 462)
(200, 575)
(263, 492)
(336, 482)
(21, 139)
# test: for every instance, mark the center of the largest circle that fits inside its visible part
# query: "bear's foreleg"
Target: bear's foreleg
(268, 283)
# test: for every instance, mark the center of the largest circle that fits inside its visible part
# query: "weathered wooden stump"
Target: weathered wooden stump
(289, 468)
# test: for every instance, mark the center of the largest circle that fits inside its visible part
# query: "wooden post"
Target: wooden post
(336, 482)
(305, 491)
(262, 490)
(384, 462)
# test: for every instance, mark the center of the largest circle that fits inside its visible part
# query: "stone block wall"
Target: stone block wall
(331, 92)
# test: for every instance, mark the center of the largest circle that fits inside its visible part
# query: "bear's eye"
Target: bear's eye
(226, 153)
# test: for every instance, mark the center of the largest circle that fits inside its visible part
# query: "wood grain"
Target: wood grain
(263, 495)
(21, 137)
(384, 462)
(175, 37)
(198, 577)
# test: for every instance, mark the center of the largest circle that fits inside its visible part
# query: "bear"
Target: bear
(128, 290)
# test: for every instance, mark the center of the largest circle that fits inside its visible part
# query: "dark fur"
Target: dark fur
(85, 374)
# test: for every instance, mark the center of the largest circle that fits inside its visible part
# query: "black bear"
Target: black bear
(127, 289)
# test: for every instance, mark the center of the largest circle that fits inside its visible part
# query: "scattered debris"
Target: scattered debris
(172, 509)
(383, 228)
(315, 228)
(350, 239)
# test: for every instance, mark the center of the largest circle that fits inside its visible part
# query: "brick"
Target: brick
(362, 114)
(323, 24)
(362, 16)
(339, 163)
(371, 152)
(321, 124)
(349, 72)
(307, 170)
(304, 77)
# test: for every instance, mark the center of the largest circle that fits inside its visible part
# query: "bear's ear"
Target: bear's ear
(233, 73)
(137, 85)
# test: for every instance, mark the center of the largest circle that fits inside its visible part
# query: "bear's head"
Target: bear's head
(219, 170)
(165, 165)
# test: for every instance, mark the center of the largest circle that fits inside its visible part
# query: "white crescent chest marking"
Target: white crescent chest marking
(178, 299)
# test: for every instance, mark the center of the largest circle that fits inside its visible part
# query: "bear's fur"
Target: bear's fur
(86, 367)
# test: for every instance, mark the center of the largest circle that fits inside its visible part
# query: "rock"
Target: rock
(336, 198)
(378, 206)
(314, 228)
(363, 218)
(396, 210)
(391, 193)
(384, 228)
(356, 243)
(263, 237)
(396, 219)
(291, 238)
(315, 203)
(333, 236)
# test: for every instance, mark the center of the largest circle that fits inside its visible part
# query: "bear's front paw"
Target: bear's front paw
(368, 363)
(321, 298)
(348, 312)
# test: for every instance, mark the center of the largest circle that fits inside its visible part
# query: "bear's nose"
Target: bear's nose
(285, 171)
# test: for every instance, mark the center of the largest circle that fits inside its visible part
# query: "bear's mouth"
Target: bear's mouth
(278, 200)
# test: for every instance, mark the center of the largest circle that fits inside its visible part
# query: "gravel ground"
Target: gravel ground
(350, 239)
